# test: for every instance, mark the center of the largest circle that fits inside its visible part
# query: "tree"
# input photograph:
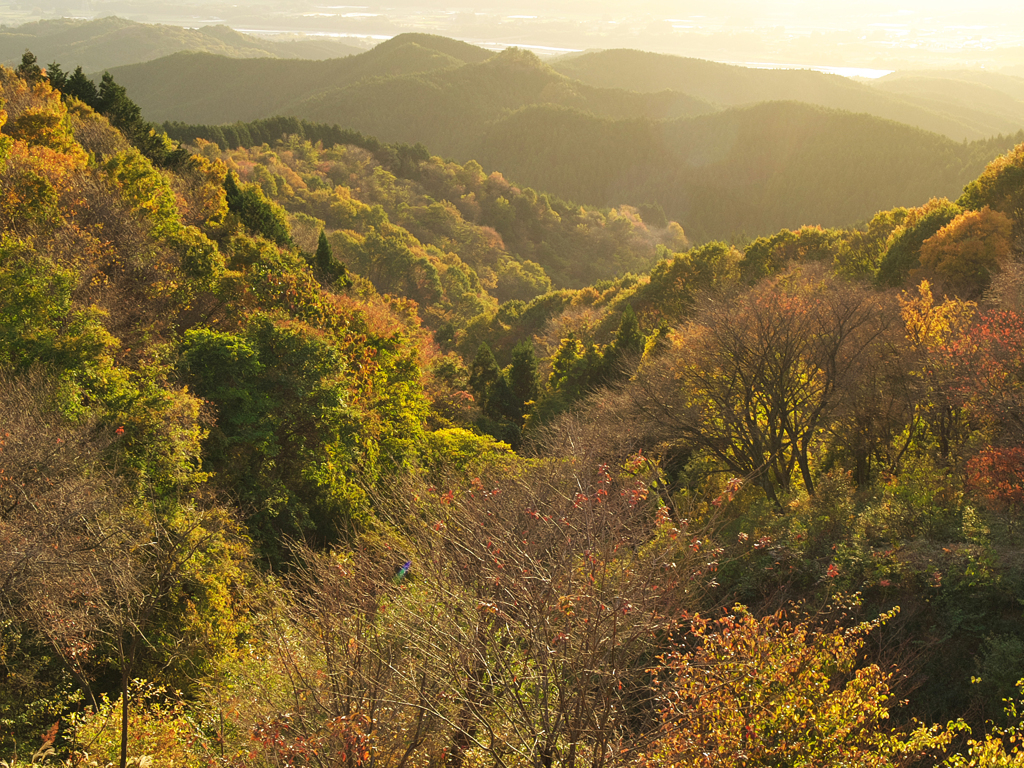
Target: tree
(324, 257)
(986, 366)
(770, 255)
(287, 437)
(58, 77)
(564, 362)
(82, 88)
(778, 691)
(931, 329)
(483, 372)
(503, 412)
(968, 251)
(523, 379)
(528, 607)
(576, 370)
(29, 69)
(756, 379)
(521, 280)
(331, 270)
(902, 254)
(77, 84)
(623, 355)
(262, 216)
(1001, 187)
(112, 100)
(85, 564)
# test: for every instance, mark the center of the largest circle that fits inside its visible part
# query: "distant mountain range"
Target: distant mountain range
(111, 42)
(725, 150)
(411, 88)
(960, 104)
(743, 171)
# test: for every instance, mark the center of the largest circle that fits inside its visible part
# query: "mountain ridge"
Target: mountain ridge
(112, 41)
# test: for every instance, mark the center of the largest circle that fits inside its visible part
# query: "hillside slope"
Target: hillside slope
(967, 116)
(111, 42)
(742, 171)
(994, 102)
(748, 170)
(398, 91)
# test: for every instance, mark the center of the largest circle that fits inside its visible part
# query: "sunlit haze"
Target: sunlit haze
(875, 38)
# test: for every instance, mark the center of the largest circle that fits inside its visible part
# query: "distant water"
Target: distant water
(304, 33)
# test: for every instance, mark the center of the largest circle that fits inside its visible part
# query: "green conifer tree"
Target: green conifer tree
(29, 69)
(58, 77)
(483, 372)
(625, 349)
(523, 379)
(262, 216)
(330, 271)
(629, 339)
(82, 88)
(500, 403)
(562, 364)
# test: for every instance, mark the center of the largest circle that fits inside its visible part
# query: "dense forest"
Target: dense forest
(812, 149)
(317, 450)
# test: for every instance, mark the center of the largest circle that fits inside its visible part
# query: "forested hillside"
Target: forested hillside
(937, 102)
(321, 451)
(405, 84)
(730, 173)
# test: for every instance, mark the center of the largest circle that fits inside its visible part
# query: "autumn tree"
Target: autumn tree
(965, 253)
(984, 370)
(939, 423)
(903, 250)
(780, 691)
(1001, 187)
(755, 380)
(109, 581)
(512, 622)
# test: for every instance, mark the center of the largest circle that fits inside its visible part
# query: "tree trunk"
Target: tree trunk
(124, 717)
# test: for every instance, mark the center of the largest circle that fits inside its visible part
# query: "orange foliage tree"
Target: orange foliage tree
(775, 691)
(1001, 186)
(969, 250)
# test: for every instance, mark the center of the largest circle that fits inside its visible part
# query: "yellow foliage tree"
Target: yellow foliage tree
(965, 253)
(774, 691)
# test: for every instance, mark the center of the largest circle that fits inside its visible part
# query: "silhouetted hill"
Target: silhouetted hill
(201, 87)
(1010, 84)
(749, 170)
(457, 49)
(449, 110)
(409, 89)
(993, 102)
(112, 41)
(726, 84)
